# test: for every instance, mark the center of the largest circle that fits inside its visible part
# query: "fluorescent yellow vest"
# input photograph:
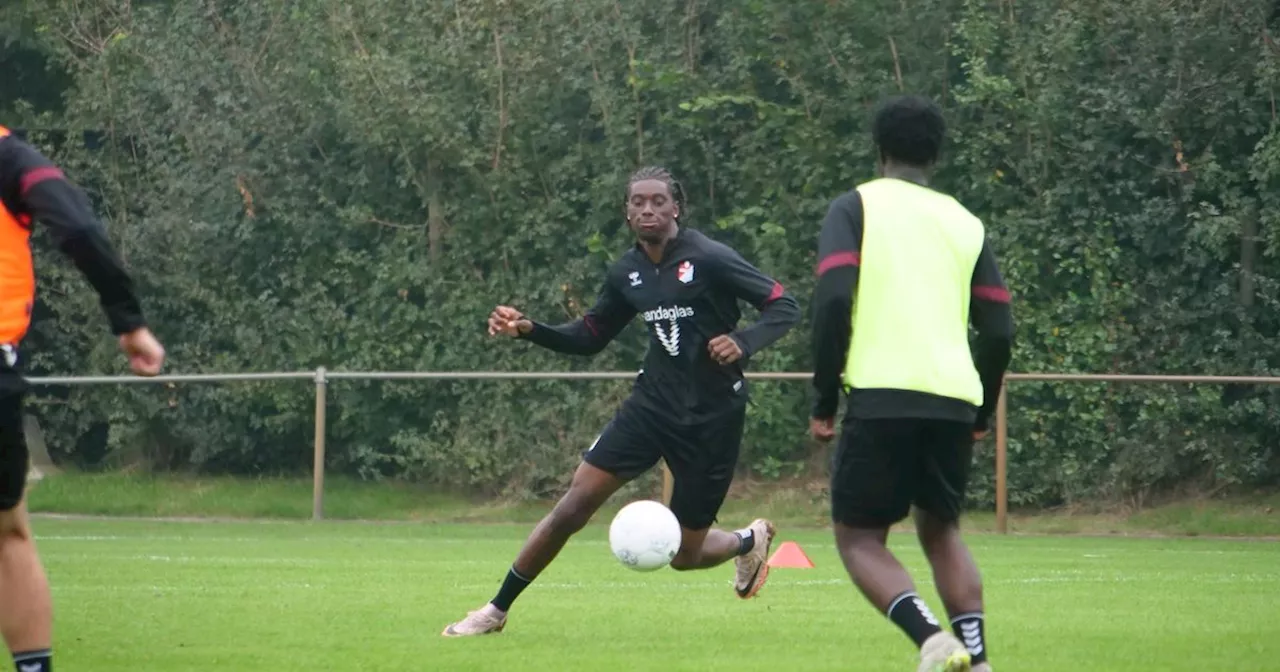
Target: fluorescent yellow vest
(910, 317)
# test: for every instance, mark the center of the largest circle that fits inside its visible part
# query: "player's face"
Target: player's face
(651, 211)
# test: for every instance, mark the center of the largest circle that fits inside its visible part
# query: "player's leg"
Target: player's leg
(622, 452)
(698, 490)
(590, 489)
(872, 486)
(702, 461)
(26, 607)
(26, 612)
(937, 516)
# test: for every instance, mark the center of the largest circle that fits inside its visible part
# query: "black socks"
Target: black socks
(512, 586)
(969, 628)
(910, 613)
(33, 661)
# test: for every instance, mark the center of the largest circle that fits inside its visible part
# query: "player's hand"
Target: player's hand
(508, 321)
(145, 353)
(980, 434)
(822, 429)
(724, 349)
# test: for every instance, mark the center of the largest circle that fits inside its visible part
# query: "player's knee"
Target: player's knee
(13, 524)
(570, 515)
(936, 534)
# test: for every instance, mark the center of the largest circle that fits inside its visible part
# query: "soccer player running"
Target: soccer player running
(32, 188)
(903, 269)
(688, 404)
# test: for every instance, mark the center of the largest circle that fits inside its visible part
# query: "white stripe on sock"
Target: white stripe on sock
(907, 595)
(973, 614)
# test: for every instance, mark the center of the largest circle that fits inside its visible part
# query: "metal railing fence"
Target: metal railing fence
(322, 376)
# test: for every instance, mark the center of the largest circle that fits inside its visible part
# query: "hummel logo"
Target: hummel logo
(635, 278)
(28, 667)
(924, 611)
(972, 637)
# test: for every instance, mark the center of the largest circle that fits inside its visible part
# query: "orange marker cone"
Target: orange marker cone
(789, 554)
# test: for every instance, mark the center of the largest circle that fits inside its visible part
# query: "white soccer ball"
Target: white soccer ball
(644, 536)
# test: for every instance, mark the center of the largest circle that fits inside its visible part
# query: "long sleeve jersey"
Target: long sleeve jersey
(841, 262)
(685, 300)
(32, 188)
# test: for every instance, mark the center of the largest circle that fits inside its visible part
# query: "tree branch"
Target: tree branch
(392, 225)
(897, 64)
(502, 97)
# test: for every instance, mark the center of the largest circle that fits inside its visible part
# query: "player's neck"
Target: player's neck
(655, 251)
(898, 171)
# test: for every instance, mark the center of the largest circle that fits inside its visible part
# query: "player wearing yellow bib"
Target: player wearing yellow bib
(903, 272)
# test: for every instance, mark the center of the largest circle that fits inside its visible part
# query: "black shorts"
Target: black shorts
(702, 457)
(884, 466)
(13, 444)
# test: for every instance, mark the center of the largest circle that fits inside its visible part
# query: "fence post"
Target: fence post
(317, 487)
(1002, 455)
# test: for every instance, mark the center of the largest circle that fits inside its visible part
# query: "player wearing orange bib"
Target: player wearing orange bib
(33, 189)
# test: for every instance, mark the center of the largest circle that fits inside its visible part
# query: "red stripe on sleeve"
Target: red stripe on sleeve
(839, 259)
(38, 175)
(994, 294)
(776, 293)
(591, 325)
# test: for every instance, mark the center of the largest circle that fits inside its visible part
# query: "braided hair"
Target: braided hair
(663, 175)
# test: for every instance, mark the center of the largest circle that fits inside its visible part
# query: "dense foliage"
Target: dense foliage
(355, 184)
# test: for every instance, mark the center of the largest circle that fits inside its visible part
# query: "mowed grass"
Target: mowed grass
(803, 505)
(284, 596)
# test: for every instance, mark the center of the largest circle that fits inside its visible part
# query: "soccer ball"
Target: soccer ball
(644, 536)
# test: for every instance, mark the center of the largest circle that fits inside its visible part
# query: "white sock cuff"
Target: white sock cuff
(905, 596)
(971, 615)
(24, 656)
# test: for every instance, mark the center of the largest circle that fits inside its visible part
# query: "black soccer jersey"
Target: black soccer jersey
(686, 300)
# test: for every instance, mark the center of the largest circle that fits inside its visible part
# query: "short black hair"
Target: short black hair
(910, 130)
(663, 175)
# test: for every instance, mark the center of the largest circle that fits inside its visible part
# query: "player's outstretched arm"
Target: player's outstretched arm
(992, 318)
(779, 311)
(43, 193)
(839, 258)
(585, 336)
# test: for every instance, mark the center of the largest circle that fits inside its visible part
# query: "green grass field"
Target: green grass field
(324, 596)
(140, 495)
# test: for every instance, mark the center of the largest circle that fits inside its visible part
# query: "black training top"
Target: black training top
(32, 187)
(687, 299)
